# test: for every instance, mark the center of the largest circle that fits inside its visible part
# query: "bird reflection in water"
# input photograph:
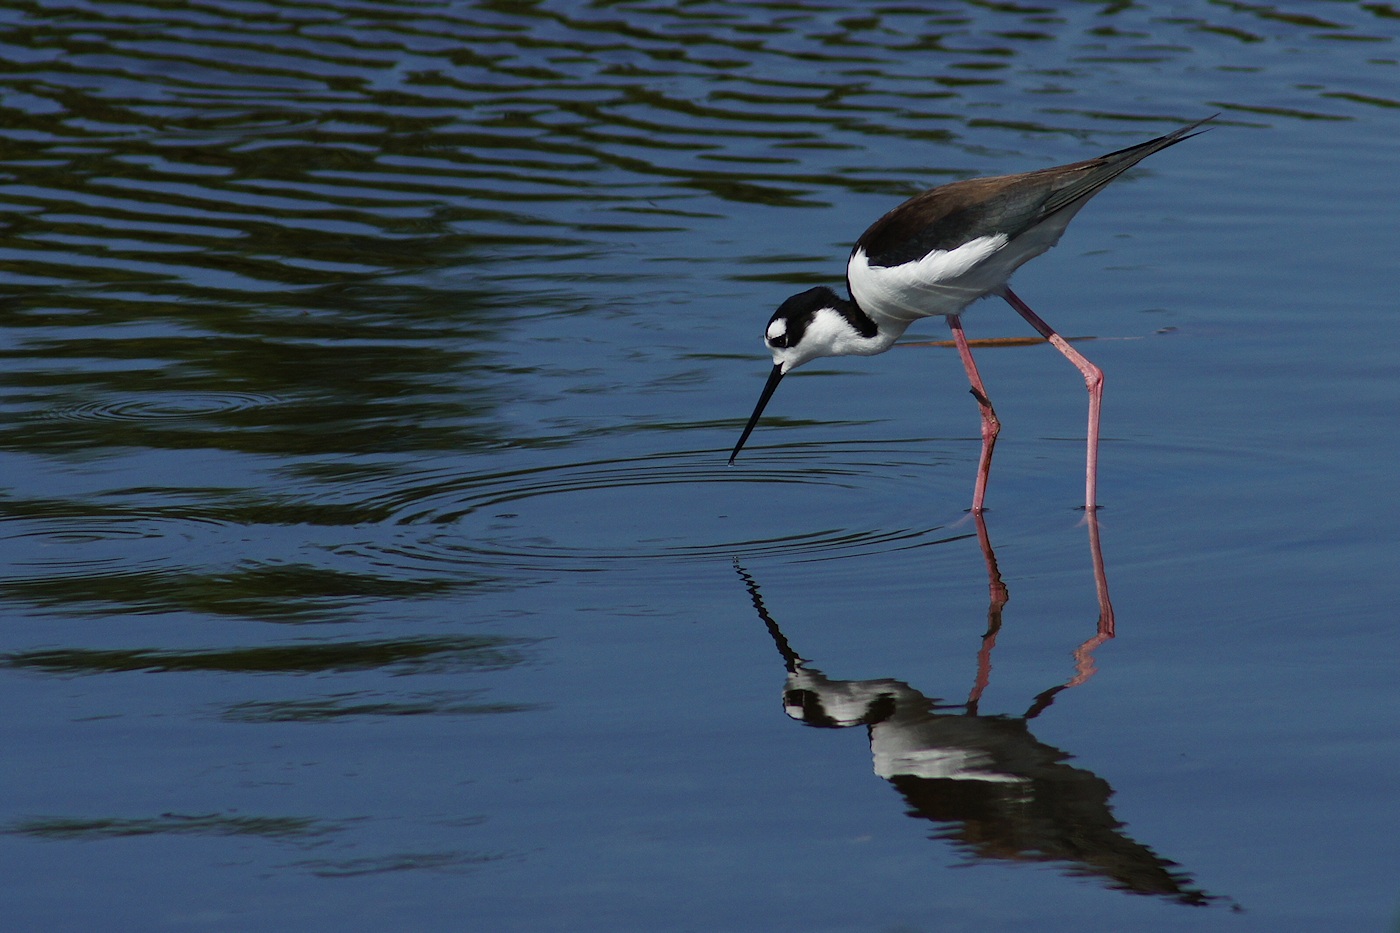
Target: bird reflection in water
(992, 788)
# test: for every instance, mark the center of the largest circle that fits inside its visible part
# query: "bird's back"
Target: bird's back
(942, 249)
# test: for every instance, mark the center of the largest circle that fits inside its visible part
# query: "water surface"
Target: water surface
(370, 560)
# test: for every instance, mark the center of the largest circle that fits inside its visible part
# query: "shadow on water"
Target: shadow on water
(984, 780)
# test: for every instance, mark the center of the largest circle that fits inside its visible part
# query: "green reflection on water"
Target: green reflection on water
(398, 655)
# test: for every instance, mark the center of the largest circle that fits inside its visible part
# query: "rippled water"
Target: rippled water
(370, 560)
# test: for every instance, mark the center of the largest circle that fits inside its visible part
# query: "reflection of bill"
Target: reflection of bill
(991, 787)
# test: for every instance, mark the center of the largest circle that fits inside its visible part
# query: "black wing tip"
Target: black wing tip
(1166, 139)
(1186, 131)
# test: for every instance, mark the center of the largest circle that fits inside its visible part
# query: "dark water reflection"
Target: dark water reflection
(367, 371)
(296, 659)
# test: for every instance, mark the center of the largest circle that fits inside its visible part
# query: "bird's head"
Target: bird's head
(799, 330)
(804, 327)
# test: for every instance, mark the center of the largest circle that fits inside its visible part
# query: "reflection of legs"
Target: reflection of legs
(1093, 378)
(1084, 654)
(998, 594)
(990, 425)
(1106, 628)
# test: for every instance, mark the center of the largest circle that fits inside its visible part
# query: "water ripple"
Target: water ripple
(76, 556)
(605, 513)
(117, 543)
(163, 408)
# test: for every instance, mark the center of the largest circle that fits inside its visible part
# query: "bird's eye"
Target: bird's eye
(777, 333)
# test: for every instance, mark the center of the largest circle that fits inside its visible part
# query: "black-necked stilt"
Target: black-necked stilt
(934, 255)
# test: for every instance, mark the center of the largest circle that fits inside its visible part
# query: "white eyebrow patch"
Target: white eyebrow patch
(776, 329)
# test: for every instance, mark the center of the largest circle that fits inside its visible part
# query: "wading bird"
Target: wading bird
(934, 255)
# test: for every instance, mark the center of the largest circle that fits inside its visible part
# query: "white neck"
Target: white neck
(834, 331)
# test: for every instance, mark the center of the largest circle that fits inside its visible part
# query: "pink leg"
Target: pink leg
(990, 425)
(1093, 378)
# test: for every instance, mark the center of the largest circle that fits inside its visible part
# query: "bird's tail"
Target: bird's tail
(1095, 173)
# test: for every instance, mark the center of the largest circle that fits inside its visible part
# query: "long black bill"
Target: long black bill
(775, 377)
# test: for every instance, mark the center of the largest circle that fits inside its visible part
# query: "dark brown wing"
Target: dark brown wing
(948, 216)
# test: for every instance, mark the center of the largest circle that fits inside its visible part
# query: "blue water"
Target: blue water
(370, 560)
